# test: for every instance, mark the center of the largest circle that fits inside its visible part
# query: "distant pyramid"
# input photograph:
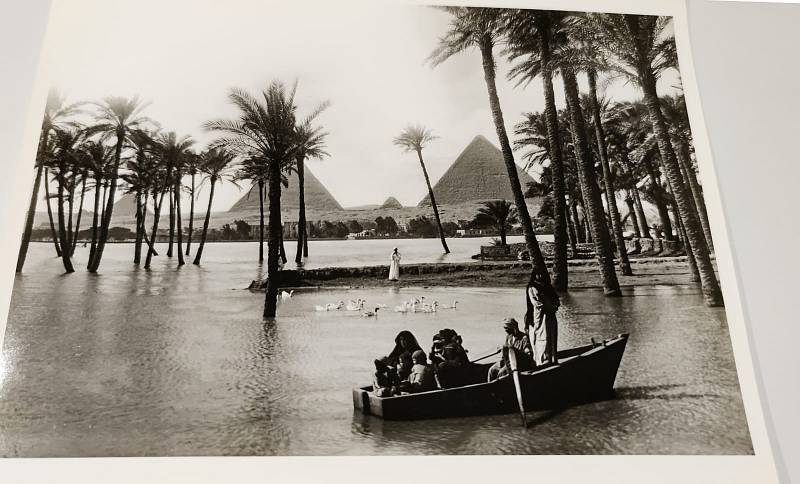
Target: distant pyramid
(126, 207)
(392, 202)
(317, 196)
(479, 173)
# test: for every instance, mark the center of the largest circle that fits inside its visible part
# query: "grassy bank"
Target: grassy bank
(582, 273)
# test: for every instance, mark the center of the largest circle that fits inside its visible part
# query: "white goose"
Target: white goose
(287, 295)
(370, 314)
(321, 308)
(430, 308)
(403, 308)
(450, 307)
(357, 305)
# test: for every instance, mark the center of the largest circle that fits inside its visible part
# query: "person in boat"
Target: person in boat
(542, 303)
(516, 341)
(405, 344)
(421, 378)
(394, 266)
(385, 381)
(449, 358)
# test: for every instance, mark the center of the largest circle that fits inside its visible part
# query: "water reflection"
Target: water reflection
(169, 362)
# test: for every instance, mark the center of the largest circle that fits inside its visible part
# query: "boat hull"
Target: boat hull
(584, 374)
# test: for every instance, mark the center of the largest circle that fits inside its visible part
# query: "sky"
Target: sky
(366, 58)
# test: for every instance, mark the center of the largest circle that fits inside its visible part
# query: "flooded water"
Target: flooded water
(178, 362)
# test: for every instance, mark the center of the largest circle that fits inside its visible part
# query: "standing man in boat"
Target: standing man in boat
(542, 304)
(516, 341)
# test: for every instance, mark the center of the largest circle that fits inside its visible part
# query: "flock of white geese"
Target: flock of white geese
(413, 305)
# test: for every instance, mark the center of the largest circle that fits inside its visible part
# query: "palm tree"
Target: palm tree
(499, 213)
(117, 117)
(482, 28)
(597, 108)
(217, 166)
(177, 151)
(143, 170)
(534, 35)
(310, 144)
(63, 162)
(415, 138)
(265, 126)
(56, 114)
(642, 48)
(192, 165)
(674, 108)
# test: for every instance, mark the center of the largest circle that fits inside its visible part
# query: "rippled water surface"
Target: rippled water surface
(178, 362)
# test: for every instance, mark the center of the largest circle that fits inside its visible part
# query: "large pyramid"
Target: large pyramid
(478, 174)
(317, 197)
(392, 202)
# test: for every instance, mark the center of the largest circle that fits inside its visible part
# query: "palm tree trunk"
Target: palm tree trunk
(301, 219)
(154, 233)
(28, 230)
(171, 222)
(697, 192)
(261, 221)
(632, 215)
(305, 234)
(109, 207)
(97, 187)
(70, 208)
(53, 232)
(282, 247)
(608, 182)
(80, 213)
(591, 193)
(433, 203)
(573, 239)
(560, 273)
(191, 218)
(274, 240)
(694, 232)
(141, 204)
(658, 199)
(199, 252)
(178, 225)
(62, 228)
(524, 216)
(694, 273)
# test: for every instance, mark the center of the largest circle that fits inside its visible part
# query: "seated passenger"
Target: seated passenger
(517, 341)
(421, 378)
(405, 344)
(449, 358)
(385, 381)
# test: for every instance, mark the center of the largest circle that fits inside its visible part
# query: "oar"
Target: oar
(512, 364)
(494, 352)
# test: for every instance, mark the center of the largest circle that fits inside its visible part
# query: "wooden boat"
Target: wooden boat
(583, 374)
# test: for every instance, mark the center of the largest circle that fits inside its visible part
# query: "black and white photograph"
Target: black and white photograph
(272, 228)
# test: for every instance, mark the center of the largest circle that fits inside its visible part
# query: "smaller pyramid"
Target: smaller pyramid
(392, 202)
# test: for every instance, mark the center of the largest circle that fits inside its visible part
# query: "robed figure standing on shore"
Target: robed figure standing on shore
(394, 266)
(542, 303)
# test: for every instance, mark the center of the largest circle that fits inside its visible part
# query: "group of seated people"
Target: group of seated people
(407, 369)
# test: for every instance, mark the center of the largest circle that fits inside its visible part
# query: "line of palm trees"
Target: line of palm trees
(114, 147)
(590, 142)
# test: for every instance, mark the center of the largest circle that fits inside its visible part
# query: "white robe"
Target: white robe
(394, 267)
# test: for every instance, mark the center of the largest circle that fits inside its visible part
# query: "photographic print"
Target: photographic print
(348, 228)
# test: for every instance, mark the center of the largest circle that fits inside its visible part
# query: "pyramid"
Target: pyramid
(478, 174)
(125, 207)
(317, 197)
(392, 202)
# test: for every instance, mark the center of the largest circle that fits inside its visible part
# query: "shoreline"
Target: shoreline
(583, 274)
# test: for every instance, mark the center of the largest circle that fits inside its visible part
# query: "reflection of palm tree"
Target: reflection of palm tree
(641, 48)
(117, 117)
(415, 138)
(55, 115)
(499, 213)
(481, 28)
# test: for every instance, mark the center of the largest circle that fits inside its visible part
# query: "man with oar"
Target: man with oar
(519, 341)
